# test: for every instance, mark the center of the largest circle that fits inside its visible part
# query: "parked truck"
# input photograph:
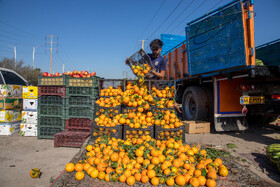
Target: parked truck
(215, 70)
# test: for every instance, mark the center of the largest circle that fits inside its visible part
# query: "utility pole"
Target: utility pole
(34, 48)
(15, 51)
(62, 68)
(143, 43)
(51, 36)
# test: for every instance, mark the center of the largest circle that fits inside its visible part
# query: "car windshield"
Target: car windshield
(11, 78)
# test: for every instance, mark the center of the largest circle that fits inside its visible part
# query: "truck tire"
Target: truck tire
(194, 104)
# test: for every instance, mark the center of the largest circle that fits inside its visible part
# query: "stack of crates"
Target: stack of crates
(10, 108)
(81, 94)
(28, 126)
(51, 106)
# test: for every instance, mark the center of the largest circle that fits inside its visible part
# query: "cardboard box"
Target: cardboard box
(28, 129)
(7, 90)
(29, 117)
(10, 115)
(9, 128)
(197, 127)
(29, 92)
(8, 103)
(30, 104)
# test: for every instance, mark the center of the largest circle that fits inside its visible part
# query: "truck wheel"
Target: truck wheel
(194, 104)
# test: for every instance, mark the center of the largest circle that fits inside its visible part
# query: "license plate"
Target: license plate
(245, 100)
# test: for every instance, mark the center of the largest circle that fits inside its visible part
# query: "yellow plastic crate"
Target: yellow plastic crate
(29, 92)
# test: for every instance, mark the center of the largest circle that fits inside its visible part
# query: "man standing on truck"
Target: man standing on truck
(158, 61)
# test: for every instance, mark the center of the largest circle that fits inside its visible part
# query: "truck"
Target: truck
(220, 75)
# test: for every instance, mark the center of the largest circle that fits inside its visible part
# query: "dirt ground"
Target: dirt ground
(19, 154)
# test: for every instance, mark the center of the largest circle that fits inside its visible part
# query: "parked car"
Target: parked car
(8, 76)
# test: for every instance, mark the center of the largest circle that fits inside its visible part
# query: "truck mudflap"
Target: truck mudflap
(228, 115)
(230, 124)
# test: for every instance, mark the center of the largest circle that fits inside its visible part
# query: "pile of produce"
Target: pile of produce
(146, 160)
(273, 154)
(76, 74)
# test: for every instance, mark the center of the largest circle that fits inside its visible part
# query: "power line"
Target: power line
(18, 35)
(185, 9)
(189, 15)
(166, 18)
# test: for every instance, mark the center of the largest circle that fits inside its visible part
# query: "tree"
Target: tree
(25, 71)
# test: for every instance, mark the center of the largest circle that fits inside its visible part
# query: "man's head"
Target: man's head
(156, 46)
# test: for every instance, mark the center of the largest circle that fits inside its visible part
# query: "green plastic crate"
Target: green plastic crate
(51, 111)
(48, 132)
(82, 92)
(80, 101)
(79, 112)
(51, 100)
(52, 81)
(51, 122)
(82, 82)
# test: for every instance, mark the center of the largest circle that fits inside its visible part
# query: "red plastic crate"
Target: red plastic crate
(70, 138)
(52, 90)
(78, 124)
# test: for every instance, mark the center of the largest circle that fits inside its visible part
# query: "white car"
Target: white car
(8, 76)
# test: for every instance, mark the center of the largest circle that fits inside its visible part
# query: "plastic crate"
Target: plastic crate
(129, 132)
(52, 81)
(79, 112)
(110, 112)
(80, 101)
(114, 83)
(52, 90)
(115, 132)
(139, 58)
(161, 85)
(166, 134)
(51, 111)
(82, 82)
(51, 122)
(70, 139)
(47, 132)
(126, 109)
(78, 124)
(82, 91)
(51, 100)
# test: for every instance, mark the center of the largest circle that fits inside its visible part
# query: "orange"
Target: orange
(202, 180)
(167, 171)
(212, 175)
(130, 180)
(114, 157)
(219, 161)
(187, 166)
(89, 148)
(122, 178)
(94, 174)
(170, 181)
(140, 159)
(176, 163)
(101, 175)
(139, 152)
(107, 177)
(180, 180)
(79, 167)
(210, 183)
(144, 179)
(154, 153)
(151, 173)
(97, 161)
(109, 170)
(35, 173)
(70, 167)
(90, 169)
(188, 177)
(194, 181)
(197, 173)
(127, 173)
(155, 181)
(137, 176)
(223, 171)
(119, 170)
(79, 175)
(155, 160)
(101, 166)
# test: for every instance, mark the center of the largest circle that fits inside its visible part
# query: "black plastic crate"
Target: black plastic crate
(51, 122)
(80, 101)
(166, 134)
(82, 91)
(70, 139)
(109, 112)
(51, 100)
(161, 85)
(52, 81)
(113, 83)
(82, 82)
(129, 132)
(78, 124)
(47, 132)
(79, 112)
(126, 109)
(114, 132)
(51, 111)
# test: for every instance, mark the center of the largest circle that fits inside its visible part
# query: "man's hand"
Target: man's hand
(127, 61)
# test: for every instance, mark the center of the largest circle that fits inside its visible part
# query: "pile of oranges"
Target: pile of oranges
(167, 92)
(141, 70)
(146, 160)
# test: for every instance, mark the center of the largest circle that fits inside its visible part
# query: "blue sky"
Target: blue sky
(98, 35)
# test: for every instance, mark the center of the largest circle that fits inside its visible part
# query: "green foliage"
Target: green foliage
(25, 71)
